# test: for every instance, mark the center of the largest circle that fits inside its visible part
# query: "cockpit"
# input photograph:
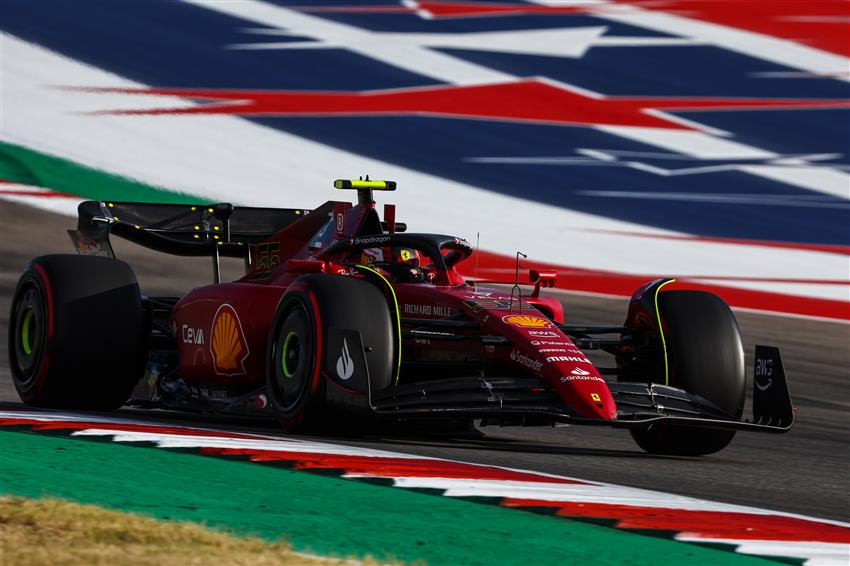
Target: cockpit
(403, 258)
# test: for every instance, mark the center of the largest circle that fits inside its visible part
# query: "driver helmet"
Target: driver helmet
(372, 255)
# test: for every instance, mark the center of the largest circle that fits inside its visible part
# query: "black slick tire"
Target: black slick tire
(77, 333)
(298, 344)
(706, 357)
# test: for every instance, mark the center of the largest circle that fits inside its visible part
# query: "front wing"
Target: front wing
(512, 400)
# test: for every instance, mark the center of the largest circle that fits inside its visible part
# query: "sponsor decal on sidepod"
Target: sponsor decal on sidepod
(428, 310)
(192, 335)
(228, 346)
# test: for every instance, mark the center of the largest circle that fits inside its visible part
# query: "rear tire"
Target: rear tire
(706, 357)
(77, 333)
(296, 388)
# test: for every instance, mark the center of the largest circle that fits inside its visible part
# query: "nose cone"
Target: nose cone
(583, 389)
(543, 349)
(589, 399)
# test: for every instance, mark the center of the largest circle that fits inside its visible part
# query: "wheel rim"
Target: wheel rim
(289, 356)
(28, 334)
(292, 365)
(26, 328)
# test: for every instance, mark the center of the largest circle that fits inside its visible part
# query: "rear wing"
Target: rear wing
(214, 230)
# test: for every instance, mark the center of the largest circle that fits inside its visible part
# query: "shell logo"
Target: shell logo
(228, 346)
(526, 321)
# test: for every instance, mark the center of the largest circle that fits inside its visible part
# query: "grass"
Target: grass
(52, 531)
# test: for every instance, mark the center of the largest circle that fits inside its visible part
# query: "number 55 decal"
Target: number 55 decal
(268, 259)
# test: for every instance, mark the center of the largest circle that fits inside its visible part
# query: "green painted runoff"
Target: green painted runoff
(319, 513)
(21, 165)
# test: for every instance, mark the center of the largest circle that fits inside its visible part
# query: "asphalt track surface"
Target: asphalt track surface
(805, 471)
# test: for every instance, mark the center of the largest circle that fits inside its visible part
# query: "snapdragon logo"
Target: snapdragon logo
(372, 240)
(526, 361)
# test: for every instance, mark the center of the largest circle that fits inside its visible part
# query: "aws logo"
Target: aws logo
(228, 345)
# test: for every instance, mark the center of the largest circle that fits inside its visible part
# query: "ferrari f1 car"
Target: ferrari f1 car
(342, 315)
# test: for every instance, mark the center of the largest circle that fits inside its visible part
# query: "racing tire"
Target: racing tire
(296, 377)
(77, 333)
(706, 357)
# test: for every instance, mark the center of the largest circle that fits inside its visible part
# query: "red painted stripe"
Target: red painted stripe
(40, 425)
(49, 293)
(826, 248)
(366, 466)
(491, 265)
(388, 467)
(843, 282)
(530, 100)
(34, 193)
(699, 524)
(817, 23)
(317, 320)
(687, 523)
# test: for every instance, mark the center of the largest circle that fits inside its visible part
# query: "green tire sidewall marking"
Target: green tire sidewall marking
(661, 332)
(25, 331)
(286, 373)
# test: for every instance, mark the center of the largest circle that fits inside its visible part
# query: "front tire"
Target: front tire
(299, 361)
(77, 333)
(706, 357)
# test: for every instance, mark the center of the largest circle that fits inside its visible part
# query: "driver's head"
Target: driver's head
(372, 255)
(407, 256)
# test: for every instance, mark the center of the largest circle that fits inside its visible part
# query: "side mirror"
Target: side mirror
(542, 279)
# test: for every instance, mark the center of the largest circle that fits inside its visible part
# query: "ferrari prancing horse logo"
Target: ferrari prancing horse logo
(228, 345)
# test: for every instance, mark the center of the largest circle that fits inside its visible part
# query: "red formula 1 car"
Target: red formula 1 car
(341, 315)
